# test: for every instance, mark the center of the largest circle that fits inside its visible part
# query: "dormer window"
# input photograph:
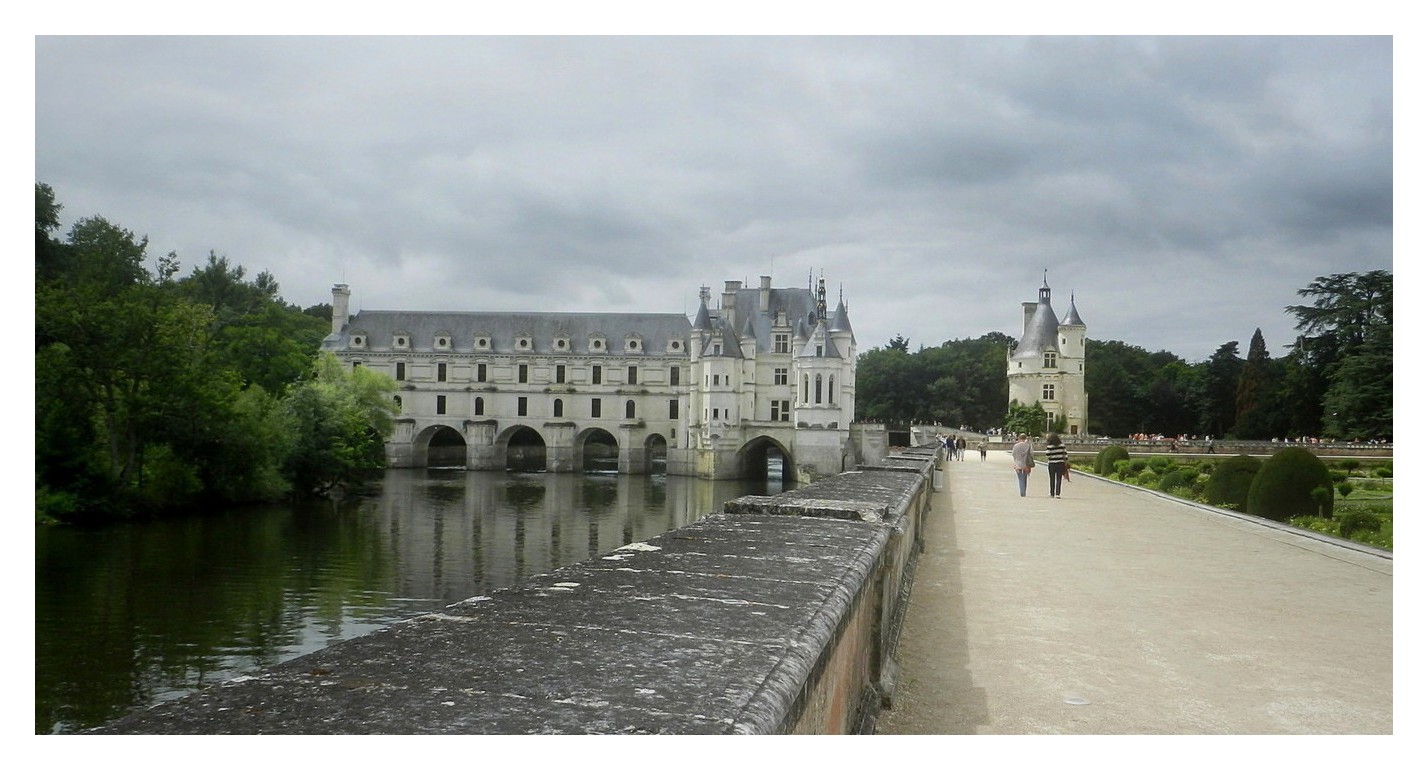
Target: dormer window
(562, 344)
(634, 344)
(443, 341)
(1048, 360)
(597, 344)
(358, 340)
(674, 345)
(523, 342)
(401, 340)
(482, 342)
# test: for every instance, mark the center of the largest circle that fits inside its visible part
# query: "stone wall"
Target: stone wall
(778, 615)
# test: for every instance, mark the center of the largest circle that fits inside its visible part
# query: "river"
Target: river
(133, 614)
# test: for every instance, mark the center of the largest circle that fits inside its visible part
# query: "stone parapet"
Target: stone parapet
(779, 615)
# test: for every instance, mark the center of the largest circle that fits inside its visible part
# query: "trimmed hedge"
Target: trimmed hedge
(1292, 483)
(1106, 459)
(1230, 481)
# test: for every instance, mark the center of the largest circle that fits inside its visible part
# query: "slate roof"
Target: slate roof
(655, 331)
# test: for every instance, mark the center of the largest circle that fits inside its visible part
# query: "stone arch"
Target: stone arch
(763, 457)
(596, 450)
(656, 452)
(439, 446)
(524, 448)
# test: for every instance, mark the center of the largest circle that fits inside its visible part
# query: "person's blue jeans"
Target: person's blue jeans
(1056, 469)
(1021, 482)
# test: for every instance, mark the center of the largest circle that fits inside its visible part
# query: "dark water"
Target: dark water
(132, 614)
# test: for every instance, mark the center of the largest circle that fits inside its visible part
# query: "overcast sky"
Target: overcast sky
(1183, 188)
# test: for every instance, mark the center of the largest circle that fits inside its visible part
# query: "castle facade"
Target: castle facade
(1047, 366)
(765, 378)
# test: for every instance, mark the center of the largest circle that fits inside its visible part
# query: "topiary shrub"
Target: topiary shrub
(1359, 521)
(1106, 459)
(1291, 483)
(1229, 482)
(1386, 472)
(1147, 478)
(1159, 464)
(1180, 477)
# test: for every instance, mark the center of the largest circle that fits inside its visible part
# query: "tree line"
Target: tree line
(157, 391)
(1335, 381)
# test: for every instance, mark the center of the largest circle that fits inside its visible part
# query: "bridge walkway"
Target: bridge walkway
(1115, 611)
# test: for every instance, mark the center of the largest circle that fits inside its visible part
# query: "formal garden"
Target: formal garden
(1350, 498)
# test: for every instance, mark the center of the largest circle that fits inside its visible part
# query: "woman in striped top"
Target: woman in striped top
(1055, 462)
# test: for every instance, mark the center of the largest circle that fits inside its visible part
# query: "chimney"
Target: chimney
(1028, 309)
(765, 283)
(340, 295)
(731, 289)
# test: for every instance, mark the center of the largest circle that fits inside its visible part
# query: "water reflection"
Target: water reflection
(135, 613)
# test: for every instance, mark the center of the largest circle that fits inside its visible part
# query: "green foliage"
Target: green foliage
(1147, 478)
(1107, 458)
(1385, 472)
(1345, 488)
(339, 420)
(1230, 481)
(1176, 479)
(1359, 521)
(1028, 419)
(153, 393)
(1294, 482)
(1350, 465)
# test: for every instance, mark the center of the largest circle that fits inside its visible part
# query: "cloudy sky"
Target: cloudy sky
(1183, 188)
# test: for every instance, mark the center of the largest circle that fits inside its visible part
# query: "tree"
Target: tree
(339, 419)
(1348, 332)
(1252, 402)
(1025, 418)
(1219, 380)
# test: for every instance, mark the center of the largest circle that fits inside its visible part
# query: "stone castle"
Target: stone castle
(765, 378)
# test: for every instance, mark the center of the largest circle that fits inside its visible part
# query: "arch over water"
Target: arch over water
(439, 446)
(764, 457)
(596, 451)
(656, 452)
(525, 448)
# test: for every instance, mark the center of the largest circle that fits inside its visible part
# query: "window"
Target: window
(818, 389)
(356, 365)
(781, 343)
(805, 388)
(780, 376)
(630, 410)
(441, 372)
(594, 407)
(820, 351)
(441, 404)
(633, 375)
(1048, 392)
(522, 373)
(1048, 360)
(674, 409)
(557, 409)
(778, 411)
(521, 406)
(401, 371)
(480, 372)
(479, 407)
(718, 349)
(594, 375)
(560, 372)
(830, 389)
(398, 401)
(674, 375)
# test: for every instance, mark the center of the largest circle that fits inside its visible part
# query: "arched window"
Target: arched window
(558, 408)
(805, 388)
(630, 410)
(818, 389)
(479, 407)
(830, 389)
(398, 401)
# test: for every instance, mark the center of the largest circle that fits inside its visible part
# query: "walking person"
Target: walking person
(1055, 462)
(1022, 461)
(982, 449)
(961, 448)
